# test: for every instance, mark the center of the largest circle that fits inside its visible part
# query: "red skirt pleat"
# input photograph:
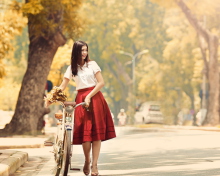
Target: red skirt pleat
(95, 124)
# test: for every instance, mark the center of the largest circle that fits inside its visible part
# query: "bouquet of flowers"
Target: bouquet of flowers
(55, 95)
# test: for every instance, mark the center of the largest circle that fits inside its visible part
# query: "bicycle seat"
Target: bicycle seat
(69, 103)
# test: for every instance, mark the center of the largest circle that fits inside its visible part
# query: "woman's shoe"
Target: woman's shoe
(94, 171)
(86, 168)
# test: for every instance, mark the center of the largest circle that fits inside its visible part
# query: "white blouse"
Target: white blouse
(86, 75)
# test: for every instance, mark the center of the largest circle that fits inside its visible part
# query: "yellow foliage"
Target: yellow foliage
(60, 62)
(198, 7)
(199, 66)
(204, 7)
(32, 7)
(8, 94)
(2, 71)
(182, 63)
(166, 4)
(9, 28)
(11, 83)
(50, 15)
(148, 71)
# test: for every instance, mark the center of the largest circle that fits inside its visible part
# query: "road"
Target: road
(146, 152)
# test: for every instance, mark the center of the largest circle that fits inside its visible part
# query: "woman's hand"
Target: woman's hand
(47, 103)
(87, 100)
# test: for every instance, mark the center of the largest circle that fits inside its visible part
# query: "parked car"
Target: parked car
(149, 112)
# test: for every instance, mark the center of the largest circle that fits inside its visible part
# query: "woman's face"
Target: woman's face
(84, 52)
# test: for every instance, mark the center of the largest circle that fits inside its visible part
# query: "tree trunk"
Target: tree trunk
(213, 78)
(213, 73)
(29, 108)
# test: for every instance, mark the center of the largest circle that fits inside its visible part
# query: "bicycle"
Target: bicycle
(62, 147)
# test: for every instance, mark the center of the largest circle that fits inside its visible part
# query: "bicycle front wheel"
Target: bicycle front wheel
(66, 152)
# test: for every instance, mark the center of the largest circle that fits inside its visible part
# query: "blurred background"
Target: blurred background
(159, 60)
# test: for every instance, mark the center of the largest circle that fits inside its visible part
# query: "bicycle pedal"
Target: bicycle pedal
(75, 169)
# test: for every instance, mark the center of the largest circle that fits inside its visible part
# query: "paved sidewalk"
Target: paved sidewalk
(11, 160)
(202, 128)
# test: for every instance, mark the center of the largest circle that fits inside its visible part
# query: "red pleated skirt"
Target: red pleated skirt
(95, 124)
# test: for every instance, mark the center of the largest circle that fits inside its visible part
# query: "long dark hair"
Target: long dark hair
(76, 57)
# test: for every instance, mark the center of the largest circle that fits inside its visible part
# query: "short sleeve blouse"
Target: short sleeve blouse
(86, 75)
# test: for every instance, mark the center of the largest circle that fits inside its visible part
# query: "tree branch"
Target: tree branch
(116, 76)
(193, 21)
(203, 49)
(122, 71)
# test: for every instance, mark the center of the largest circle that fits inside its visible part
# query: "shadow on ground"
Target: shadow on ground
(177, 163)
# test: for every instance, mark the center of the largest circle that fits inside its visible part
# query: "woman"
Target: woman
(96, 125)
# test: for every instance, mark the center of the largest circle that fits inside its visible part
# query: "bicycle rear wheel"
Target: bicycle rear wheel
(66, 153)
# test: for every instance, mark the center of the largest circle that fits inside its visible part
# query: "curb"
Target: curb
(201, 128)
(11, 161)
(17, 142)
(148, 125)
(21, 146)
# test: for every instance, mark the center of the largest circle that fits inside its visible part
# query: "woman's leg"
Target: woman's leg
(86, 150)
(96, 146)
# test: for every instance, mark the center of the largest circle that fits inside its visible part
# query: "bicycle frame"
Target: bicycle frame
(62, 125)
(62, 144)
(68, 121)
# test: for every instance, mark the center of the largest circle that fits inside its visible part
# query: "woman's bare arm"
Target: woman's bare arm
(97, 88)
(64, 83)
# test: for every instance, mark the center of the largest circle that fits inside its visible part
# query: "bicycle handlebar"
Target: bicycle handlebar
(83, 103)
(73, 104)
